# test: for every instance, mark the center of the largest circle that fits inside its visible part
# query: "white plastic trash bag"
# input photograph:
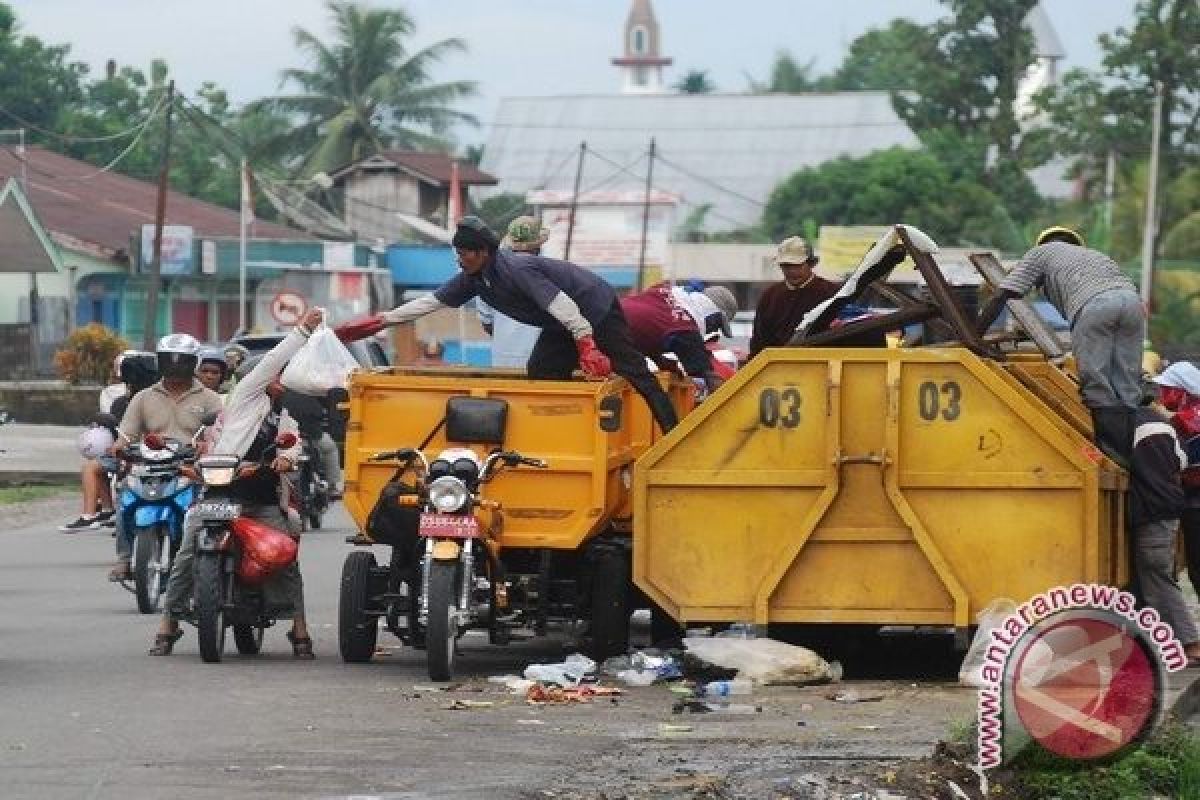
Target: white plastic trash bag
(322, 364)
(990, 618)
(764, 661)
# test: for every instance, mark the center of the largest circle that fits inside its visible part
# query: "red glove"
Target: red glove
(360, 328)
(595, 364)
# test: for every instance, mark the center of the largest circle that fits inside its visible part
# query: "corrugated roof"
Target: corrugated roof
(101, 209)
(1046, 43)
(729, 150)
(436, 167)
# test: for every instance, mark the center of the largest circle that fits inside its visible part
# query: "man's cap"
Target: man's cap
(724, 300)
(1181, 375)
(474, 234)
(526, 233)
(794, 250)
(1056, 233)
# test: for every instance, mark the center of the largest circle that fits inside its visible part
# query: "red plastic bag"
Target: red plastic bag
(265, 550)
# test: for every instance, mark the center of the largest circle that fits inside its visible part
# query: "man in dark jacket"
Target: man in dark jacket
(581, 320)
(1156, 502)
(784, 304)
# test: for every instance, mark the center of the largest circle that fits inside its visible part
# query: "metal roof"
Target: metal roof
(728, 150)
(433, 168)
(99, 210)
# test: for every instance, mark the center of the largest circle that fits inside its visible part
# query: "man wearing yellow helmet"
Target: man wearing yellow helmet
(1108, 326)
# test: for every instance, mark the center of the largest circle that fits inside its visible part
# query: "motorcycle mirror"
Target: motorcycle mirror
(286, 441)
(154, 441)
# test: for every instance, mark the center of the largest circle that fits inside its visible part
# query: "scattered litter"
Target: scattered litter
(866, 727)
(764, 661)
(636, 677)
(467, 705)
(310, 727)
(569, 673)
(681, 689)
(806, 706)
(530, 722)
(852, 696)
(642, 668)
(667, 727)
(991, 617)
(706, 707)
(739, 630)
(427, 688)
(514, 683)
(726, 688)
(542, 695)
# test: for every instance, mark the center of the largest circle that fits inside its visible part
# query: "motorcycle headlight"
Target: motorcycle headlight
(448, 494)
(217, 470)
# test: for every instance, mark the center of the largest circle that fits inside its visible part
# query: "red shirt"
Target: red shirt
(653, 315)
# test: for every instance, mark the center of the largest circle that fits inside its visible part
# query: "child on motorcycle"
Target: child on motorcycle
(253, 419)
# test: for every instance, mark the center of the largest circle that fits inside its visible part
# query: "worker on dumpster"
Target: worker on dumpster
(1156, 502)
(784, 304)
(513, 341)
(664, 320)
(582, 322)
(1108, 327)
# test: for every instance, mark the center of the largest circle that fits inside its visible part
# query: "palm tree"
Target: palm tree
(695, 81)
(366, 91)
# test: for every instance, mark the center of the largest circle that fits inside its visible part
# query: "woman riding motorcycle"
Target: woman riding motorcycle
(250, 424)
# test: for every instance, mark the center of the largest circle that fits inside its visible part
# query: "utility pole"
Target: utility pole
(1148, 229)
(160, 213)
(1110, 180)
(641, 276)
(574, 201)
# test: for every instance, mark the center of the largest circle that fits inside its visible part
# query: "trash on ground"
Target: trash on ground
(866, 727)
(852, 696)
(764, 661)
(530, 722)
(636, 677)
(990, 618)
(539, 694)
(467, 705)
(570, 672)
(726, 688)
(642, 668)
(709, 707)
(667, 727)
(514, 683)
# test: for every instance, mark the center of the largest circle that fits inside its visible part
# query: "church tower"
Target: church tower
(642, 65)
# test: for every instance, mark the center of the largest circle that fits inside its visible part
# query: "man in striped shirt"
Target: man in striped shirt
(1108, 327)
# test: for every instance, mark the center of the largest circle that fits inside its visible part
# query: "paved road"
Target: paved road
(85, 714)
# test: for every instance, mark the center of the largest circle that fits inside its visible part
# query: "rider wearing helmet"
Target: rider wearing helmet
(174, 407)
(212, 369)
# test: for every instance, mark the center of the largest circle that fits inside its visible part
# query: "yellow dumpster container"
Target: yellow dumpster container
(590, 433)
(878, 486)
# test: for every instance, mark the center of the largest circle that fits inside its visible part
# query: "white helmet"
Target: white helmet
(95, 441)
(178, 356)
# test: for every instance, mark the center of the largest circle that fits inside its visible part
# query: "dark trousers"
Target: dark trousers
(1190, 524)
(555, 357)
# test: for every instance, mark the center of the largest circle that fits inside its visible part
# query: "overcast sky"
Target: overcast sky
(531, 47)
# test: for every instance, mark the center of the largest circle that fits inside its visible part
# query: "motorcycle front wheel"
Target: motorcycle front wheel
(210, 609)
(151, 566)
(441, 630)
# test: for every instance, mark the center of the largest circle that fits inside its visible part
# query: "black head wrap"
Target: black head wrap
(474, 234)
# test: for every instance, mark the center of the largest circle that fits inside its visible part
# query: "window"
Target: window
(637, 41)
(639, 76)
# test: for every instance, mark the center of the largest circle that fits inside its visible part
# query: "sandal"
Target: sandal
(164, 643)
(301, 647)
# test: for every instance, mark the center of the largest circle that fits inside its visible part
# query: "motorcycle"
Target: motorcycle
(312, 492)
(155, 495)
(235, 555)
(459, 580)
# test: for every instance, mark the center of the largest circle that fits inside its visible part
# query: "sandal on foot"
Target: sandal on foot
(301, 647)
(164, 643)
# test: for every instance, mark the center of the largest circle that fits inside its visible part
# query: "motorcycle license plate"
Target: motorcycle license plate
(444, 526)
(217, 510)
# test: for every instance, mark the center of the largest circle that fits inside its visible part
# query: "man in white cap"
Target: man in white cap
(783, 305)
(665, 320)
(1179, 393)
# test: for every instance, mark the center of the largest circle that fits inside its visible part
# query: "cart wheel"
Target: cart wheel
(610, 603)
(357, 630)
(441, 633)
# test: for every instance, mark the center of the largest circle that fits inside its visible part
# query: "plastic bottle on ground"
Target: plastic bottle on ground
(728, 687)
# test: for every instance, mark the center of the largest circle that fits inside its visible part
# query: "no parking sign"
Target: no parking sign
(287, 307)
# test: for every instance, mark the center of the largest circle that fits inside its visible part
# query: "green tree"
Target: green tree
(499, 210)
(1093, 114)
(366, 91)
(37, 81)
(886, 187)
(787, 77)
(883, 58)
(695, 81)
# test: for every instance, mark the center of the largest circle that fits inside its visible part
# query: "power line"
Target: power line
(711, 182)
(69, 139)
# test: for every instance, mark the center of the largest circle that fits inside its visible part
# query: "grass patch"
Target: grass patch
(1167, 765)
(24, 494)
